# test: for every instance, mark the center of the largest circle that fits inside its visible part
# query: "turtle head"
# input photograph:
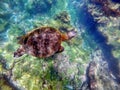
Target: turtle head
(71, 34)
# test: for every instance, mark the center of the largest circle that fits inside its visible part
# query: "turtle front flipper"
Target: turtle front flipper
(20, 51)
(61, 49)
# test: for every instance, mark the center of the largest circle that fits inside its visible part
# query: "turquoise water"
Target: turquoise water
(63, 71)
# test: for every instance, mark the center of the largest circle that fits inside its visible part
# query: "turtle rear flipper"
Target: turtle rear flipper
(61, 49)
(20, 51)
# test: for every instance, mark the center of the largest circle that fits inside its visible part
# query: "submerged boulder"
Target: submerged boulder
(98, 74)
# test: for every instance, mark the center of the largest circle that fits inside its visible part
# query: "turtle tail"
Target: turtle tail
(20, 51)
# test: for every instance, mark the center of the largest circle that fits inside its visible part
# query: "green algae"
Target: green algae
(32, 77)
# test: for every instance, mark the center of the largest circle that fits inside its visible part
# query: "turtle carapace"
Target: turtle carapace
(43, 42)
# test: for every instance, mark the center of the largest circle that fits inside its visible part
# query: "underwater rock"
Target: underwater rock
(109, 26)
(8, 84)
(98, 74)
(39, 6)
(99, 77)
(62, 21)
(106, 7)
(6, 80)
(69, 70)
(64, 67)
(63, 17)
(112, 31)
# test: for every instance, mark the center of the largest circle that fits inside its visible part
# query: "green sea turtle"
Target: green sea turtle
(43, 42)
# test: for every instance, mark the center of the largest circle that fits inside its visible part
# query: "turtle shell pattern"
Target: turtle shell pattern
(41, 42)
